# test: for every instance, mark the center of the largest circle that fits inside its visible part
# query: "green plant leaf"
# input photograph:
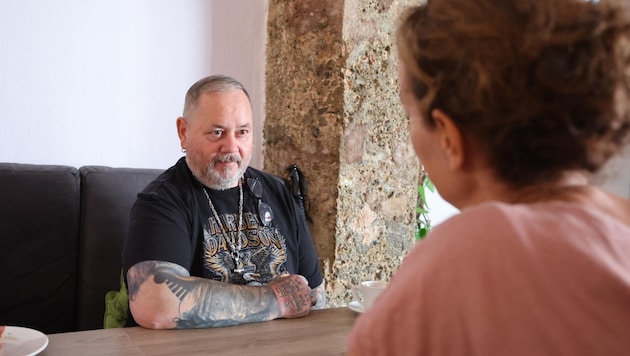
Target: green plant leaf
(423, 223)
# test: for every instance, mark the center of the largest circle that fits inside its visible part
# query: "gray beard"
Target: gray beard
(213, 180)
(218, 182)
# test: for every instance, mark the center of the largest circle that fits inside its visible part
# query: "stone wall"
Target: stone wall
(332, 107)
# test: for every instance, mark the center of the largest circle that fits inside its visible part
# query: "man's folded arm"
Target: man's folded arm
(163, 295)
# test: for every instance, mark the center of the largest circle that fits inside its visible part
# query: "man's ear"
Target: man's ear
(182, 125)
(451, 140)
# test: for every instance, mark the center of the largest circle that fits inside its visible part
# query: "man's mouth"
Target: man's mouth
(227, 160)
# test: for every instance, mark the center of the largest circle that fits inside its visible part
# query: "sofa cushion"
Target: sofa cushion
(39, 224)
(107, 195)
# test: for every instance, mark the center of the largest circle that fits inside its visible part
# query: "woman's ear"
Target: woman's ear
(450, 140)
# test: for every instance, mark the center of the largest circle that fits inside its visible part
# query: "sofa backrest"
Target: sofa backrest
(39, 246)
(61, 235)
(107, 195)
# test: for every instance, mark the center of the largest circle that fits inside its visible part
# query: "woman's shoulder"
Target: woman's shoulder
(489, 224)
(480, 219)
(498, 223)
(499, 214)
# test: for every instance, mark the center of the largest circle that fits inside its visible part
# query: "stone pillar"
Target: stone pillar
(332, 107)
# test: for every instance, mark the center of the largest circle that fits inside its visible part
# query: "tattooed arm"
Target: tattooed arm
(162, 295)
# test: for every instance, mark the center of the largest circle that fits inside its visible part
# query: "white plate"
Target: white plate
(356, 306)
(17, 340)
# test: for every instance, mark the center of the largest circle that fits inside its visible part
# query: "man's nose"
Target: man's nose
(230, 144)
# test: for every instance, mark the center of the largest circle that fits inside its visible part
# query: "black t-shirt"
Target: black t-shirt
(172, 221)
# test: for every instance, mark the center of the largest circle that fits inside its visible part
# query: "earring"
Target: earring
(183, 150)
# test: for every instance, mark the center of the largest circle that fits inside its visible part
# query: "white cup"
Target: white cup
(367, 292)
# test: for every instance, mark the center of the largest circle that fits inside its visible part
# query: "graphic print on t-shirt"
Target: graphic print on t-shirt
(262, 253)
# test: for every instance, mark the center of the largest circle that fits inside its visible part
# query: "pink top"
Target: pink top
(547, 278)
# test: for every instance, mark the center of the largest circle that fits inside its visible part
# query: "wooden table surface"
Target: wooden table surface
(322, 332)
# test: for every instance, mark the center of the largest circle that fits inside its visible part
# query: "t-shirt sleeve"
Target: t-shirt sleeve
(309, 263)
(158, 231)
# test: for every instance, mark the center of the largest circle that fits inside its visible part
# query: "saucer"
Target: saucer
(356, 306)
(22, 341)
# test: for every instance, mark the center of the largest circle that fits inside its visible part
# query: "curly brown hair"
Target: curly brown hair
(542, 85)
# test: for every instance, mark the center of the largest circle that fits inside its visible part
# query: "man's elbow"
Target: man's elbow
(151, 317)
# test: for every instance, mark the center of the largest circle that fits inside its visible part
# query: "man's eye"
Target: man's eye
(216, 132)
(243, 132)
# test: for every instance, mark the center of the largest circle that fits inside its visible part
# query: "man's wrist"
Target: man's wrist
(291, 300)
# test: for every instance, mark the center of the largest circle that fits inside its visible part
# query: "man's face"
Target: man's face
(218, 138)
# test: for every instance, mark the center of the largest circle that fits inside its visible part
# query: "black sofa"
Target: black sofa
(61, 234)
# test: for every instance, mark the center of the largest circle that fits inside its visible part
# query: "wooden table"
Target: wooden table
(322, 332)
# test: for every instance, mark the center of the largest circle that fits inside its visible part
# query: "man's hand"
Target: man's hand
(293, 294)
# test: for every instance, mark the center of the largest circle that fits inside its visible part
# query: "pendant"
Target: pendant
(264, 213)
(240, 267)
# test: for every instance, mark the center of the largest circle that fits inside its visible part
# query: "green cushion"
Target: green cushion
(116, 306)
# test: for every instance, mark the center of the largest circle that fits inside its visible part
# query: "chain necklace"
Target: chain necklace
(235, 248)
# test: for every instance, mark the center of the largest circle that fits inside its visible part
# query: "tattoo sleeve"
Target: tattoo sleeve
(203, 302)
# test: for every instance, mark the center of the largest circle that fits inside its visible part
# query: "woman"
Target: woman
(513, 103)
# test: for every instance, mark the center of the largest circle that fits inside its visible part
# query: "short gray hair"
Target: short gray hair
(211, 84)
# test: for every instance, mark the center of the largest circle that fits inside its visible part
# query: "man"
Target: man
(213, 242)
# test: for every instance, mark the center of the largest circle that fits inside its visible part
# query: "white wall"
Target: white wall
(102, 82)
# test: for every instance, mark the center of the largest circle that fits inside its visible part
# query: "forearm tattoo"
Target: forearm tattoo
(290, 298)
(203, 302)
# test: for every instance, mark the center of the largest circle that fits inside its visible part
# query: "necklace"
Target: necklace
(234, 242)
